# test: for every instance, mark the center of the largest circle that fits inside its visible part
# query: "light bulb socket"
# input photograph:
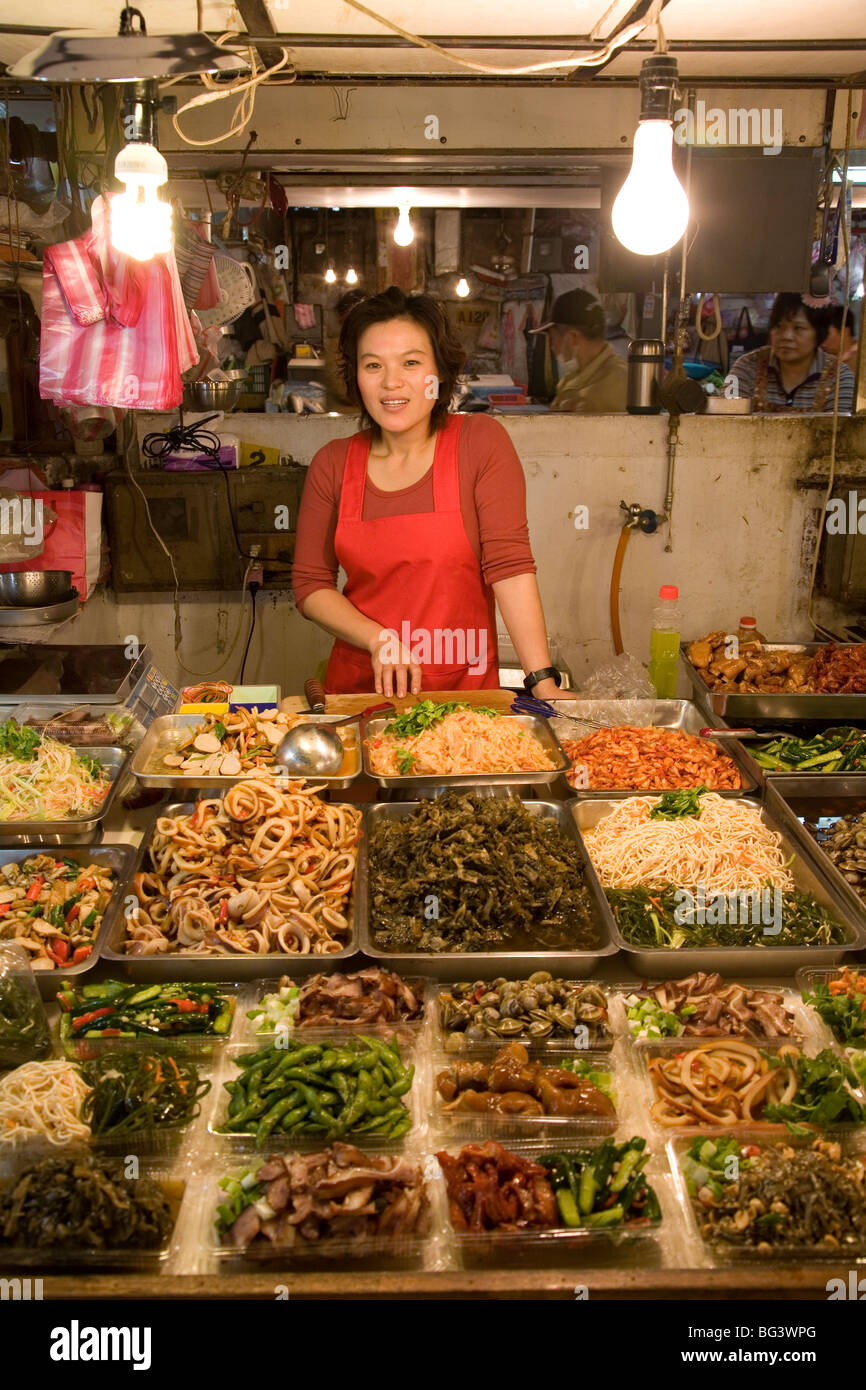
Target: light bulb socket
(138, 115)
(659, 83)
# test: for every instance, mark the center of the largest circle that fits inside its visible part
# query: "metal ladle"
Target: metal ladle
(316, 749)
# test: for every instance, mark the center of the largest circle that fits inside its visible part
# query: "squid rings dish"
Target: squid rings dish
(258, 871)
(723, 1082)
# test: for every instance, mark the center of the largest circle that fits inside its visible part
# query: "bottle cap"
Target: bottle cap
(748, 622)
(669, 591)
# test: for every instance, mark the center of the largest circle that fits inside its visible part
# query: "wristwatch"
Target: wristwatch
(547, 673)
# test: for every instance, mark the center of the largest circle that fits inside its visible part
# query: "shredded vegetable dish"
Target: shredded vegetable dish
(454, 739)
(43, 779)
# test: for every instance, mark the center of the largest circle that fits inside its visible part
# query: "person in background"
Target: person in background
(592, 377)
(338, 397)
(839, 341)
(425, 512)
(794, 373)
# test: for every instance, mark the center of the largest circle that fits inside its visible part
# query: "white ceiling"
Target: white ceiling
(684, 20)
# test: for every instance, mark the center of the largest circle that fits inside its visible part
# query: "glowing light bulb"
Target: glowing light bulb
(140, 221)
(330, 276)
(651, 210)
(404, 232)
(462, 287)
(351, 276)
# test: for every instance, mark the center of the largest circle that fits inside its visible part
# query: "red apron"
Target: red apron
(417, 575)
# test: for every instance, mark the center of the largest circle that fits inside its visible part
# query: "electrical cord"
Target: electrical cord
(253, 586)
(178, 628)
(160, 443)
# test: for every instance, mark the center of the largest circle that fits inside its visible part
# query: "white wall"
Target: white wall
(740, 537)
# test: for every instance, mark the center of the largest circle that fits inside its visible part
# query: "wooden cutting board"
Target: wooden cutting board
(353, 704)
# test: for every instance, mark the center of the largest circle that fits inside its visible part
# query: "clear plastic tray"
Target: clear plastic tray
(852, 1145)
(807, 977)
(407, 1031)
(195, 1046)
(171, 1177)
(394, 1252)
(157, 1141)
(558, 1245)
(454, 1043)
(19, 991)
(279, 1143)
(553, 1130)
(644, 1051)
(788, 997)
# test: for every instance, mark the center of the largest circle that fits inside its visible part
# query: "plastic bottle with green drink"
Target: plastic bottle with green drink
(665, 643)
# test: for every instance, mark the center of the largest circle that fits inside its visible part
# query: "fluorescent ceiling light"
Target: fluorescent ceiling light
(856, 174)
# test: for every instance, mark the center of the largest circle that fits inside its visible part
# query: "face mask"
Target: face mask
(566, 364)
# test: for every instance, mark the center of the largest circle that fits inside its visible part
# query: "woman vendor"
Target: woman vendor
(426, 514)
(793, 372)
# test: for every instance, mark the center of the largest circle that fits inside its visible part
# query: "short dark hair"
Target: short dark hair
(785, 306)
(348, 301)
(429, 314)
(834, 319)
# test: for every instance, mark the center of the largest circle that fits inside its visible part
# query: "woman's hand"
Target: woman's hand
(394, 671)
(546, 690)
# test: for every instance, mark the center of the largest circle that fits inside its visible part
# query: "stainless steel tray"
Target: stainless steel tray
(166, 732)
(790, 823)
(784, 705)
(120, 858)
(472, 965)
(532, 723)
(186, 965)
(683, 715)
(71, 827)
(804, 783)
(663, 963)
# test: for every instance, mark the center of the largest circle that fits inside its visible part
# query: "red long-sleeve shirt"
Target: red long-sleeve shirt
(492, 501)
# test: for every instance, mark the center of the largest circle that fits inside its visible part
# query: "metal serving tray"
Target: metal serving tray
(166, 732)
(683, 715)
(21, 832)
(187, 965)
(805, 783)
(120, 858)
(532, 723)
(472, 965)
(790, 823)
(784, 704)
(664, 963)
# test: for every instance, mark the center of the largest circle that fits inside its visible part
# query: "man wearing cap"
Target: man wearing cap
(592, 378)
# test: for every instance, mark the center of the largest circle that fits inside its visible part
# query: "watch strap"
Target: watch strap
(547, 673)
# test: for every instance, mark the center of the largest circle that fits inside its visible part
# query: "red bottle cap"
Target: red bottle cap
(748, 622)
(669, 591)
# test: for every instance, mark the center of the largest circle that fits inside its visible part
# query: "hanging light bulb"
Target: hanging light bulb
(462, 287)
(140, 220)
(404, 232)
(330, 274)
(651, 210)
(351, 276)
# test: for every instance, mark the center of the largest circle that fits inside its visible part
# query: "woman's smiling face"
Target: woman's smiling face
(397, 376)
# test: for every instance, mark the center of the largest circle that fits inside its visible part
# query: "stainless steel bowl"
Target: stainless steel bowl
(212, 395)
(35, 588)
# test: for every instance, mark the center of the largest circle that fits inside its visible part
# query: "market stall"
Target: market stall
(464, 1041)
